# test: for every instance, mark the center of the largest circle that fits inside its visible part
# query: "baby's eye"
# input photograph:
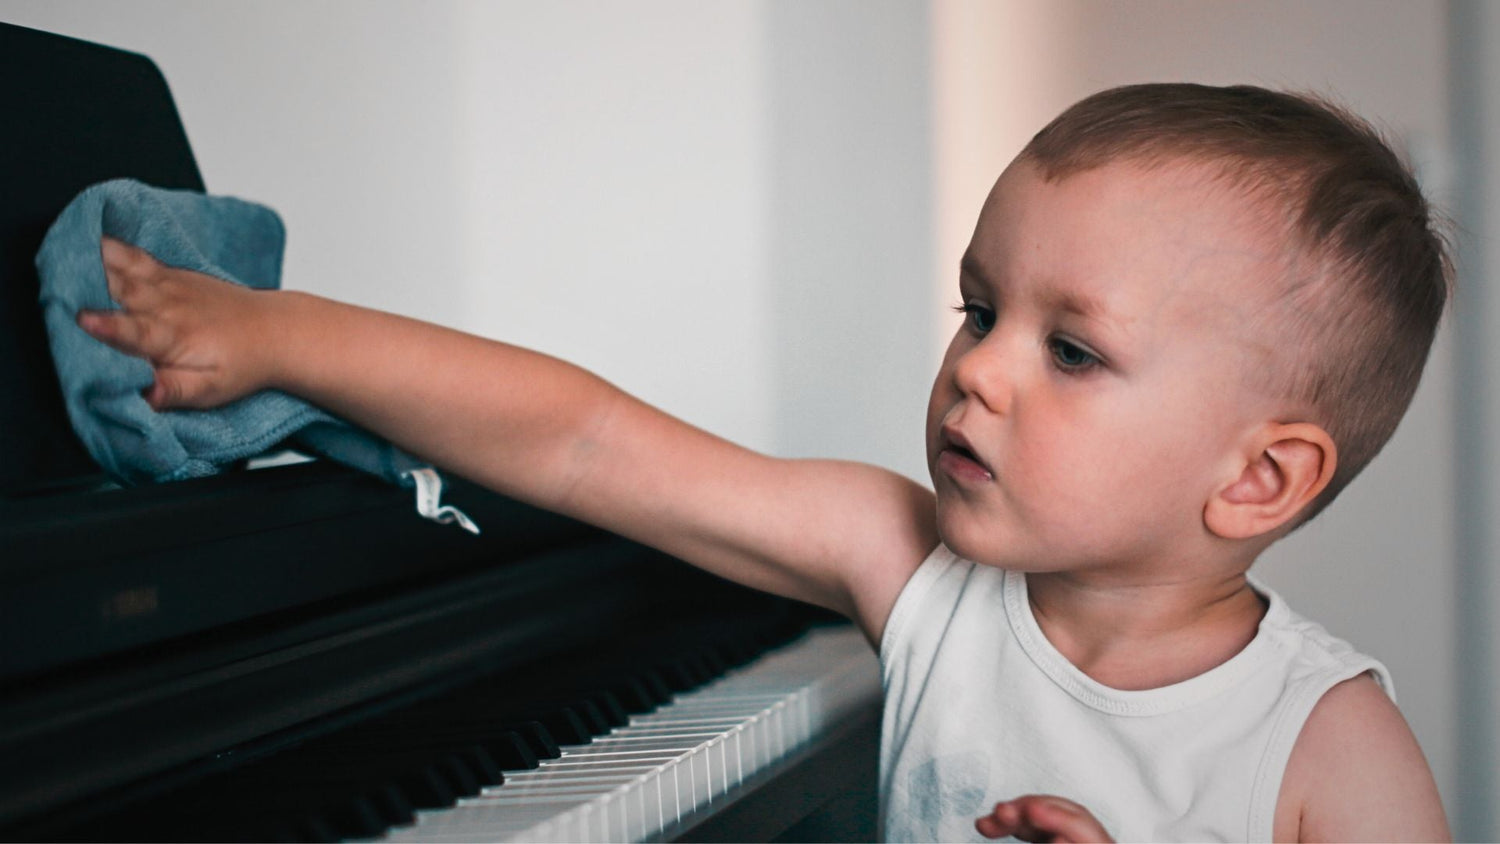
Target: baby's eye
(1071, 357)
(977, 317)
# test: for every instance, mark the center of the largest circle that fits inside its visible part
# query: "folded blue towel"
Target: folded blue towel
(224, 237)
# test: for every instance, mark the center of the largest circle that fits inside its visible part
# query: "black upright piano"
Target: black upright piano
(291, 653)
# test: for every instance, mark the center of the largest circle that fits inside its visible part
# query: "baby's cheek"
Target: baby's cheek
(1078, 480)
(1076, 468)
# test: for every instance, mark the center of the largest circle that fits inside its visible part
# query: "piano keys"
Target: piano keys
(654, 775)
(656, 750)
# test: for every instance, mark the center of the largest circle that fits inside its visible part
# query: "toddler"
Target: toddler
(1191, 316)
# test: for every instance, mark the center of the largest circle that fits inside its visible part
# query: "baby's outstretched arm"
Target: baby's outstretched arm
(1042, 817)
(842, 535)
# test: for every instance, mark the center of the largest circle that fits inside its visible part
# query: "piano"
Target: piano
(291, 653)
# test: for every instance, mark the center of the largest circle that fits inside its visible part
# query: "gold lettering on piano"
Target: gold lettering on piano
(130, 603)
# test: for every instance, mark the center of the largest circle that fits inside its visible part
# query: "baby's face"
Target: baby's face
(1098, 392)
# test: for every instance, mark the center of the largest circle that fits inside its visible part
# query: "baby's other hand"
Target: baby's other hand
(205, 338)
(1041, 817)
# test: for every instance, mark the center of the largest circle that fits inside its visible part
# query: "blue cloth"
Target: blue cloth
(228, 238)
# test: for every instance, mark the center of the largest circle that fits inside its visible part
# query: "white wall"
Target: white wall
(613, 202)
(851, 224)
(1378, 567)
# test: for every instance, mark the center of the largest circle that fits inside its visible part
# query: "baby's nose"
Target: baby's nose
(985, 372)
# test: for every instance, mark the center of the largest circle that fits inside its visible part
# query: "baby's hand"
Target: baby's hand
(1041, 817)
(207, 340)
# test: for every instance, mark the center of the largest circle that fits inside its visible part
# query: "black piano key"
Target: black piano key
(389, 805)
(740, 650)
(738, 653)
(700, 668)
(484, 767)
(678, 675)
(565, 725)
(610, 706)
(713, 662)
(634, 696)
(456, 772)
(426, 788)
(591, 716)
(511, 751)
(539, 738)
(357, 817)
(656, 683)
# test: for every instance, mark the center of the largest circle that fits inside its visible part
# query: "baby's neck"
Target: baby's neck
(1135, 637)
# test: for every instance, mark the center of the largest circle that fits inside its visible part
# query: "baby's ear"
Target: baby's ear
(1284, 467)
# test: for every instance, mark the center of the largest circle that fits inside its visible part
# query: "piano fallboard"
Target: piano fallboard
(88, 574)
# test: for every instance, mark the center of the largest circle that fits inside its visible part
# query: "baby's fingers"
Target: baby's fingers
(126, 332)
(1004, 820)
(1038, 817)
(118, 255)
(175, 388)
(126, 267)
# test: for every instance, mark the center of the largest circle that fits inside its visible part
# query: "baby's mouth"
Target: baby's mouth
(964, 452)
(960, 461)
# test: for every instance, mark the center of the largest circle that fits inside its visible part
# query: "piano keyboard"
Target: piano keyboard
(646, 777)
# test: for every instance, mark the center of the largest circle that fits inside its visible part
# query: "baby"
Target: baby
(1191, 316)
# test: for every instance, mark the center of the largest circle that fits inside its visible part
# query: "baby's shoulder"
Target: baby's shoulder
(1356, 772)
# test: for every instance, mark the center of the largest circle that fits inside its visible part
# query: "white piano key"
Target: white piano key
(498, 822)
(597, 768)
(602, 761)
(652, 741)
(598, 785)
(663, 728)
(595, 780)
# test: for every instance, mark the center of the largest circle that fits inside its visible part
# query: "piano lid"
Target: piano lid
(75, 113)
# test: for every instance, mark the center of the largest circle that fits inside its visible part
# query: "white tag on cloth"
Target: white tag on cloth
(430, 500)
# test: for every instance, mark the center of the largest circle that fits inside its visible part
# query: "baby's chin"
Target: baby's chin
(986, 549)
(994, 548)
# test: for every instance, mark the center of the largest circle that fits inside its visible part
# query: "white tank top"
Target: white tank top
(980, 708)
